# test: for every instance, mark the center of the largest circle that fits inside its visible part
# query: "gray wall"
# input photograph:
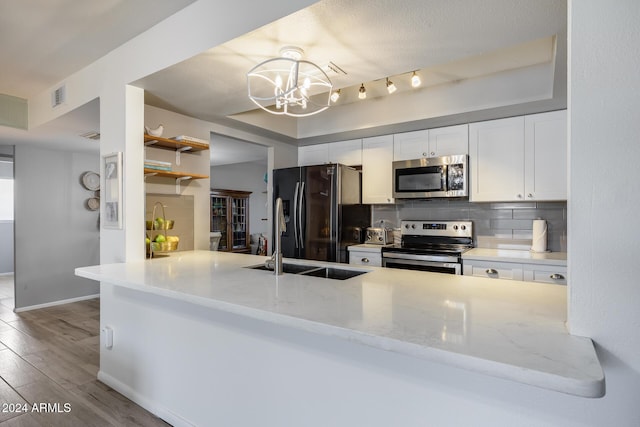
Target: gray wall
(55, 233)
(512, 221)
(247, 177)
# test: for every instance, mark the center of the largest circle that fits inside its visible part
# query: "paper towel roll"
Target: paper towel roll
(539, 240)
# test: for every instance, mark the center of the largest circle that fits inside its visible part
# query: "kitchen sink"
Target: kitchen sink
(287, 268)
(315, 271)
(334, 273)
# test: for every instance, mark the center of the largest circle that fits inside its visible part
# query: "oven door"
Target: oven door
(446, 264)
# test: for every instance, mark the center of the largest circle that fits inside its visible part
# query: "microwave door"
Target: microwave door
(420, 180)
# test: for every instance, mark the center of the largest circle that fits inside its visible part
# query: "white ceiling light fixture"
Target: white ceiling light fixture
(289, 85)
(415, 80)
(362, 92)
(390, 86)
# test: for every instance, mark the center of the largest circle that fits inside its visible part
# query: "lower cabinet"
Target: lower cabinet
(542, 273)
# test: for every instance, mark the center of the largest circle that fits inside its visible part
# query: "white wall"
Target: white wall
(246, 177)
(55, 233)
(604, 197)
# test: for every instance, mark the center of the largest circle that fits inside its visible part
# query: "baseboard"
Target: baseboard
(54, 303)
(8, 273)
(158, 410)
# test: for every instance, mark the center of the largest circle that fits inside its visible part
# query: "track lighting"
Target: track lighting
(335, 96)
(362, 92)
(415, 80)
(390, 86)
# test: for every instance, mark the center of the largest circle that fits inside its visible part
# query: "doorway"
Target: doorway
(7, 282)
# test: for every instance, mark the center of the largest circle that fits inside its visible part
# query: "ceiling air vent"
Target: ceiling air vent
(58, 96)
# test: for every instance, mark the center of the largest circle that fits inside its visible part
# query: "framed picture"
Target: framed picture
(112, 194)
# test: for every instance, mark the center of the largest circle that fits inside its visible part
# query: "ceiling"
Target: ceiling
(449, 42)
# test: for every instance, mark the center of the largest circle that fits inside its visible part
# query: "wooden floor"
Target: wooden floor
(48, 366)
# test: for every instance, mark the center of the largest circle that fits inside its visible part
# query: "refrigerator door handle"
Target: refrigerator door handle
(300, 209)
(295, 214)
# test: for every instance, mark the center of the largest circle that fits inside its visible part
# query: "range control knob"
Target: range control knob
(380, 238)
(413, 226)
(455, 227)
(463, 227)
(406, 226)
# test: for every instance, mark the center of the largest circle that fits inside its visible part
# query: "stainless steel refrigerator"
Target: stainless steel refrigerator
(323, 211)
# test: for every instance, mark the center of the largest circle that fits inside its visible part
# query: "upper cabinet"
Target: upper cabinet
(377, 174)
(446, 141)
(346, 152)
(519, 159)
(313, 155)
(545, 145)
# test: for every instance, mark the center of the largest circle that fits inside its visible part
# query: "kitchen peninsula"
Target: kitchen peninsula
(193, 335)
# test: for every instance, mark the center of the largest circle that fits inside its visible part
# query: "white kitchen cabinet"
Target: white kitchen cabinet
(377, 174)
(519, 158)
(445, 141)
(496, 155)
(545, 145)
(313, 155)
(346, 152)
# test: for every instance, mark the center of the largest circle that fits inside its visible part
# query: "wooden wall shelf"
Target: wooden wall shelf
(172, 144)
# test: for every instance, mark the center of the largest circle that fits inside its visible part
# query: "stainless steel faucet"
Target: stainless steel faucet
(281, 226)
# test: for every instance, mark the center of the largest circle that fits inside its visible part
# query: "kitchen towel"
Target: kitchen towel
(539, 240)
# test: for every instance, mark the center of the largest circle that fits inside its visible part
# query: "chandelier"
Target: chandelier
(289, 85)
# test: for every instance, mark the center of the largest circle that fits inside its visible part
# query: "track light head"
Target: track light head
(390, 86)
(415, 80)
(362, 92)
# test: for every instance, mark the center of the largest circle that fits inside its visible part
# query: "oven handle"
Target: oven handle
(440, 258)
(455, 266)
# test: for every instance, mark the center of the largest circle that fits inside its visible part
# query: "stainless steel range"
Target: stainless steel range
(430, 246)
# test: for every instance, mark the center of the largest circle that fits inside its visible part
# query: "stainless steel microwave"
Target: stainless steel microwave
(430, 177)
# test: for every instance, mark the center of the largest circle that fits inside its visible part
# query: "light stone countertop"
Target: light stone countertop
(506, 329)
(520, 256)
(367, 247)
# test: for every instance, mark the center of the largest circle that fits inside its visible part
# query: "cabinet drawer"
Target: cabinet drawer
(365, 258)
(546, 274)
(493, 270)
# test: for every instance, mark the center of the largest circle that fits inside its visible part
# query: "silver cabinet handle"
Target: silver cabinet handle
(519, 196)
(491, 271)
(556, 276)
(424, 154)
(433, 153)
(530, 195)
(366, 260)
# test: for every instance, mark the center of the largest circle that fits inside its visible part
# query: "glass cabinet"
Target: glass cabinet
(230, 217)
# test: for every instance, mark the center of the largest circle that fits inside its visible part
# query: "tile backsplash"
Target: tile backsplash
(491, 221)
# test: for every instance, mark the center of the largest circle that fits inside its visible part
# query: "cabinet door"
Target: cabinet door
(546, 156)
(313, 155)
(377, 173)
(449, 141)
(411, 145)
(346, 152)
(496, 154)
